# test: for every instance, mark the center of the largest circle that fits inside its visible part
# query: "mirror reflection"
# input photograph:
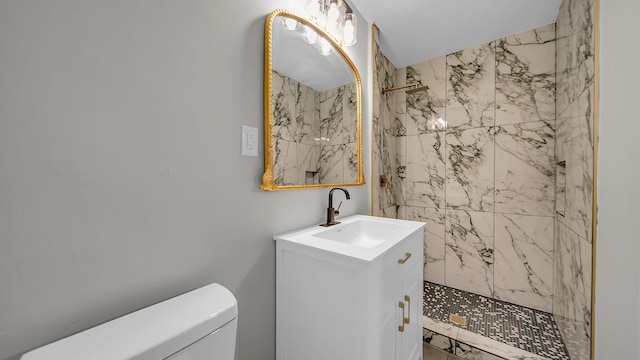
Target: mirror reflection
(312, 108)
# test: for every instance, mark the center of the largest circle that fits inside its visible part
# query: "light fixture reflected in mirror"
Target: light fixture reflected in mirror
(309, 35)
(290, 24)
(325, 47)
(349, 27)
(336, 18)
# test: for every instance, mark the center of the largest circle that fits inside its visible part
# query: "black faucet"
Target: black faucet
(331, 212)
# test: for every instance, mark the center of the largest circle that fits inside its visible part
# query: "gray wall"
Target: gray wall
(121, 179)
(618, 247)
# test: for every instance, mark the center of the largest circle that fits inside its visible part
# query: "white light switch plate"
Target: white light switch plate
(249, 141)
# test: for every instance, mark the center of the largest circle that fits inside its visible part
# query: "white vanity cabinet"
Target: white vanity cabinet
(330, 306)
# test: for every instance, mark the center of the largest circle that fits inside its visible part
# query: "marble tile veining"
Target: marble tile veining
(424, 104)
(525, 169)
(470, 169)
(471, 87)
(525, 76)
(469, 251)
(425, 170)
(524, 260)
(434, 240)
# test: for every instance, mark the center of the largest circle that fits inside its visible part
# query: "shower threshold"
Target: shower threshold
(492, 329)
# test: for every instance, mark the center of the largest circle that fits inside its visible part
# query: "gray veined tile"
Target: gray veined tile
(525, 169)
(572, 282)
(399, 126)
(469, 251)
(283, 108)
(471, 87)
(525, 76)
(422, 105)
(307, 161)
(524, 260)
(331, 164)
(284, 162)
(434, 240)
(349, 120)
(400, 175)
(470, 171)
(425, 170)
(331, 113)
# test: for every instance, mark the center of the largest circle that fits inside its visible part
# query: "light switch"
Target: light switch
(249, 140)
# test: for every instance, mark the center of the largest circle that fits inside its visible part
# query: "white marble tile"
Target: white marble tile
(579, 170)
(524, 260)
(470, 170)
(400, 175)
(471, 87)
(495, 347)
(389, 168)
(469, 251)
(331, 116)
(283, 108)
(425, 170)
(307, 160)
(575, 16)
(572, 280)
(434, 240)
(576, 68)
(575, 335)
(465, 351)
(376, 169)
(350, 163)
(422, 105)
(525, 76)
(284, 162)
(446, 329)
(331, 164)
(349, 112)
(307, 113)
(400, 124)
(390, 212)
(525, 169)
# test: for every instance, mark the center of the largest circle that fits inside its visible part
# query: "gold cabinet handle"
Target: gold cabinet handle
(408, 300)
(401, 326)
(406, 257)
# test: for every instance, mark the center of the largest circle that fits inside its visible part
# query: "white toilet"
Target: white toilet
(198, 325)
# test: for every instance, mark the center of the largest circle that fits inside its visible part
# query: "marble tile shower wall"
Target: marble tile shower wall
(574, 107)
(485, 183)
(385, 132)
(310, 147)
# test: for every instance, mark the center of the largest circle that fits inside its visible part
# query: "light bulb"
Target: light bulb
(325, 47)
(349, 29)
(333, 13)
(290, 24)
(310, 36)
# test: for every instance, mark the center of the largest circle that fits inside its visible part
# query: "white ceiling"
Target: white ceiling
(412, 31)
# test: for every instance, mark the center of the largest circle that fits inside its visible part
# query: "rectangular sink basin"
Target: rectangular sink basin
(358, 236)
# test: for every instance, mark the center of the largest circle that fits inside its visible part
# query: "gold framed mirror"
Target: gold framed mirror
(312, 108)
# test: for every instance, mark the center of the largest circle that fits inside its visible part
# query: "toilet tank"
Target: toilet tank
(198, 325)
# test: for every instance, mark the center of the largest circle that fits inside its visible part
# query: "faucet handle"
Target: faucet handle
(336, 212)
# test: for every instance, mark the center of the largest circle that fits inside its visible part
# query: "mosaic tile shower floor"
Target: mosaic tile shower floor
(527, 329)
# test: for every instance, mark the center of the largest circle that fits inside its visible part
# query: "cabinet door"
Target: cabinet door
(386, 338)
(412, 335)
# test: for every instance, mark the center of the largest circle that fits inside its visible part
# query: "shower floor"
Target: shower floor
(494, 329)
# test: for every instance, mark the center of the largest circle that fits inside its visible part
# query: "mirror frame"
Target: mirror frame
(268, 183)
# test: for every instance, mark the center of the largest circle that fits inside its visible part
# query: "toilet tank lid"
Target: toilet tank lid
(154, 332)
